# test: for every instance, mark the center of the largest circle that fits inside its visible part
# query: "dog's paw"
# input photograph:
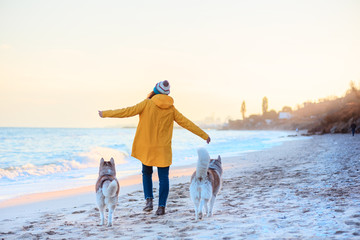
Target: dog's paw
(109, 225)
(101, 222)
(200, 216)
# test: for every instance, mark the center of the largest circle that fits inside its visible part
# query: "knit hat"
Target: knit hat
(162, 87)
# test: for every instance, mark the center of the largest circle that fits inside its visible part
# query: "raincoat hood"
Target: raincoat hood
(163, 101)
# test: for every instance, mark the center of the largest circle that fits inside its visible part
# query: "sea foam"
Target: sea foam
(84, 160)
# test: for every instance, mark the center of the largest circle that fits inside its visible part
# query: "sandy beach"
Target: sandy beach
(303, 189)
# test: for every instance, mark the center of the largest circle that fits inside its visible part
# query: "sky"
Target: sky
(61, 61)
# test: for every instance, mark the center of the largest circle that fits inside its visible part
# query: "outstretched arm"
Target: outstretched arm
(189, 125)
(124, 112)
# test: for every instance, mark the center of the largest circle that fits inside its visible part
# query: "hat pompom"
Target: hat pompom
(162, 87)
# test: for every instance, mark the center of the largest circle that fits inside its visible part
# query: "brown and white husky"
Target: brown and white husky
(205, 183)
(107, 189)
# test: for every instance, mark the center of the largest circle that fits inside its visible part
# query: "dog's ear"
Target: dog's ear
(112, 161)
(219, 158)
(101, 161)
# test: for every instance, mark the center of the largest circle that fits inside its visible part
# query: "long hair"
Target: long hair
(151, 94)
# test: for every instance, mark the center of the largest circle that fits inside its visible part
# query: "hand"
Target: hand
(100, 114)
(208, 140)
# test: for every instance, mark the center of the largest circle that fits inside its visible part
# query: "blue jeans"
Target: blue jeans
(163, 173)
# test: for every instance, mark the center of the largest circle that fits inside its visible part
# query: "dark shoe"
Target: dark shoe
(160, 211)
(149, 205)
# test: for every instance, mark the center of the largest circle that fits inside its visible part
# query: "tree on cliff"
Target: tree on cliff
(286, 109)
(243, 110)
(265, 105)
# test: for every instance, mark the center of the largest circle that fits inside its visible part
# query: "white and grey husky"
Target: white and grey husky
(107, 189)
(205, 183)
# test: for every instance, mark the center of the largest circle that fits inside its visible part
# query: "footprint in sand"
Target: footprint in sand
(134, 215)
(6, 233)
(174, 205)
(356, 224)
(26, 228)
(78, 212)
(51, 232)
(30, 236)
(66, 223)
(133, 200)
(187, 228)
(172, 210)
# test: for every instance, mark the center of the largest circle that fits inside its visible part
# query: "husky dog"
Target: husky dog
(107, 189)
(205, 183)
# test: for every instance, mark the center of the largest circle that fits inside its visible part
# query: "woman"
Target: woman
(152, 143)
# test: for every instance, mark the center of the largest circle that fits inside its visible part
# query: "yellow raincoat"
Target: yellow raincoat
(152, 143)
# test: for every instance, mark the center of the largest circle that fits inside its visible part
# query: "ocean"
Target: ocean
(34, 160)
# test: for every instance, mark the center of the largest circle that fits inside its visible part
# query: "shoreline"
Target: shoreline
(308, 189)
(124, 182)
(126, 185)
(29, 204)
(127, 181)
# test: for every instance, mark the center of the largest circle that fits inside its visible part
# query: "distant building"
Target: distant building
(268, 121)
(285, 115)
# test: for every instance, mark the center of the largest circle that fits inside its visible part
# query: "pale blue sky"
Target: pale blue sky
(61, 61)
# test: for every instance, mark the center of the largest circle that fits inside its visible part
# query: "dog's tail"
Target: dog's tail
(202, 164)
(110, 189)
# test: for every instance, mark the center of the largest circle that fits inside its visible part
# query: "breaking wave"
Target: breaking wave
(84, 160)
